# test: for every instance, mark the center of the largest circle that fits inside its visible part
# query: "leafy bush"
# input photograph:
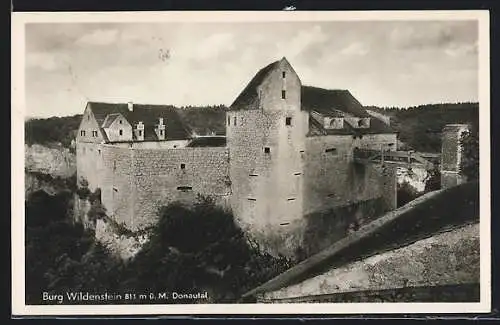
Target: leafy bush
(469, 165)
(200, 246)
(406, 193)
(191, 248)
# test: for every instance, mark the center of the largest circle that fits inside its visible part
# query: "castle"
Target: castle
(287, 155)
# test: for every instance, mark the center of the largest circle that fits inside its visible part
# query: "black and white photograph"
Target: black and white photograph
(291, 162)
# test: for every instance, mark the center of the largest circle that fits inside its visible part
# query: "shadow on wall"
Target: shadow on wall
(325, 228)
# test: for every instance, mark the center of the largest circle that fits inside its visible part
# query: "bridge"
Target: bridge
(407, 159)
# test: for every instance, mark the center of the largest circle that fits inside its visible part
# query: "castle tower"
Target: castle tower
(451, 155)
(265, 134)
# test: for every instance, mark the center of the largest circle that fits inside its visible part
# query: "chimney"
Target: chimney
(130, 106)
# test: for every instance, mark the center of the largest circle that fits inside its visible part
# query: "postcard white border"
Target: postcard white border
(19, 308)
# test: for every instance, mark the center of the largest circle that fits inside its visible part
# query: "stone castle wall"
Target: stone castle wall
(135, 183)
(333, 179)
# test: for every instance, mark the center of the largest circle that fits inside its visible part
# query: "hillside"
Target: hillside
(419, 127)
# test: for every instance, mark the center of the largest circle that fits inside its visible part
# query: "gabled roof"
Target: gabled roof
(109, 120)
(175, 128)
(330, 101)
(248, 96)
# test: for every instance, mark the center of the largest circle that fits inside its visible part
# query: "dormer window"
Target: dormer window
(283, 94)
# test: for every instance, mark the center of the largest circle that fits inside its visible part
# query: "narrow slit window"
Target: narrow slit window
(252, 199)
(184, 188)
(283, 74)
(140, 133)
(267, 150)
(121, 132)
(161, 132)
(229, 120)
(291, 199)
(99, 150)
(284, 223)
(331, 150)
(234, 121)
(288, 121)
(253, 175)
(283, 94)
(297, 174)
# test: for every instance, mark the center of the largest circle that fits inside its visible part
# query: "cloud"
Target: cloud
(356, 48)
(303, 41)
(41, 60)
(212, 46)
(422, 37)
(459, 50)
(99, 37)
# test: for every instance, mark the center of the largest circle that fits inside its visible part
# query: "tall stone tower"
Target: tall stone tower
(266, 132)
(451, 155)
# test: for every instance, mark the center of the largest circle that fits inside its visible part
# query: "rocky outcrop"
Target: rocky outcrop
(56, 160)
(416, 177)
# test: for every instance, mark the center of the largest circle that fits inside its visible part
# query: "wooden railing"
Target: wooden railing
(399, 158)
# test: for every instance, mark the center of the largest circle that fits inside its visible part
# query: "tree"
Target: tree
(469, 165)
(200, 246)
(406, 193)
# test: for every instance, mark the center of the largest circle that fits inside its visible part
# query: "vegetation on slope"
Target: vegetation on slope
(192, 249)
(52, 130)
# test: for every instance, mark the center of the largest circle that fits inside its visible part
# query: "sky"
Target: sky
(383, 63)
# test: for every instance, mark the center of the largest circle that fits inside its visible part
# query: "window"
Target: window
(288, 121)
(94, 133)
(183, 166)
(120, 121)
(283, 94)
(283, 74)
(115, 189)
(161, 132)
(175, 146)
(229, 120)
(88, 117)
(234, 122)
(252, 199)
(99, 150)
(82, 133)
(291, 199)
(267, 150)
(121, 132)
(140, 133)
(184, 188)
(331, 150)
